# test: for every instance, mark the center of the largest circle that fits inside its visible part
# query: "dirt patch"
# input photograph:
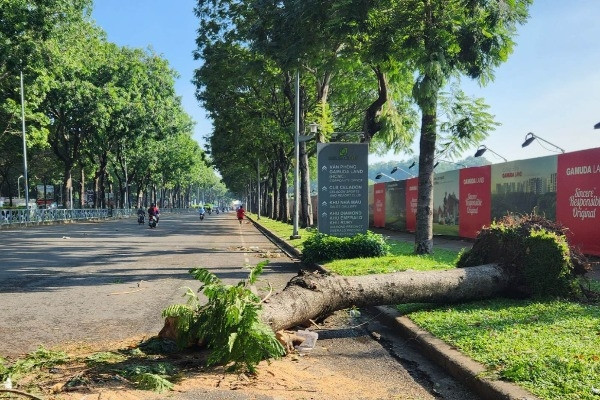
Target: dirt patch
(345, 364)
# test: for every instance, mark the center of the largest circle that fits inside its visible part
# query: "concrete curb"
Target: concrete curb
(285, 246)
(456, 364)
(461, 367)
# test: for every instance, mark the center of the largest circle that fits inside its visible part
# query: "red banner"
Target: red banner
(475, 200)
(379, 205)
(412, 192)
(578, 198)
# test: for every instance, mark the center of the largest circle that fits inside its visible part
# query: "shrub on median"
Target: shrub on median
(321, 247)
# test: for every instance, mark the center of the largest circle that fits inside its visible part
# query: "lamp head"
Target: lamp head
(394, 170)
(480, 150)
(436, 164)
(412, 165)
(378, 176)
(313, 126)
(530, 137)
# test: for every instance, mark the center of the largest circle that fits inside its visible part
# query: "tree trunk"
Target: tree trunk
(426, 92)
(371, 125)
(284, 214)
(310, 296)
(274, 193)
(424, 231)
(67, 184)
(306, 217)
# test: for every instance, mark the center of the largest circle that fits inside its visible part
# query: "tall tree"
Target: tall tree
(442, 40)
(25, 27)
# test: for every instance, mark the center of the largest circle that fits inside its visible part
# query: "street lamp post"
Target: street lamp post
(449, 162)
(24, 145)
(396, 168)
(295, 234)
(483, 148)
(530, 137)
(381, 174)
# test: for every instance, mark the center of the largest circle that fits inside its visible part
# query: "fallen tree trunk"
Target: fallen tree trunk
(310, 296)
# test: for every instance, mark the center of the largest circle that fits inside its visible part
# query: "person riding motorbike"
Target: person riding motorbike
(141, 215)
(153, 211)
(201, 212)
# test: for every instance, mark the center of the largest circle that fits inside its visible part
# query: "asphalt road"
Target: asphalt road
(109, 281)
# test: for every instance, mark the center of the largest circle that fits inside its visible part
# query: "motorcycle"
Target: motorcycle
(201, 216)
(152, 221)
(140, 219)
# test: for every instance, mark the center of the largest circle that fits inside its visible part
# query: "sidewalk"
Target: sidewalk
(455, 363)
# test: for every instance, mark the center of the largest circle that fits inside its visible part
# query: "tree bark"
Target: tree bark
(311, 295)
(424, 231)
(371, 125)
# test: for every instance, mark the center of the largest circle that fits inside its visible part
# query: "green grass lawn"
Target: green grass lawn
(401, 258)
(550, 347)
(284, 230)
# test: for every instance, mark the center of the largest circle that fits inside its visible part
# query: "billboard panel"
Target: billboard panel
(525, 186)
(475, 200)
(379, 205)
(412, 193)
(445, 203)
(578, 198)
(343, 188)
(395, 205)
(371, 202)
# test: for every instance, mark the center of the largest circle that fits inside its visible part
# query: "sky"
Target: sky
(550, 84)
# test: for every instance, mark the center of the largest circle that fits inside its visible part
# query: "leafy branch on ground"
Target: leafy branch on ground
(228, 324)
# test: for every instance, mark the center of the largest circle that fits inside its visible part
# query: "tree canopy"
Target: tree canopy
(374, 68)
(100, 115)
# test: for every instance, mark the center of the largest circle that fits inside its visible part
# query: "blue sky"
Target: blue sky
(550, 85)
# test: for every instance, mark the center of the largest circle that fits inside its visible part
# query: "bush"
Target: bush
(534, 251)
(321, 247)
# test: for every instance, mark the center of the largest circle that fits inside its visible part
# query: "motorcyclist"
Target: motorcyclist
(201, 212)
(153, 210)
(141, 214)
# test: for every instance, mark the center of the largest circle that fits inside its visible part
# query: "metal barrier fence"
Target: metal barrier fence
(41, 216)
(22, 217)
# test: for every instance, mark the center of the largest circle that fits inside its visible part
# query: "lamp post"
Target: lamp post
(449, 162)
(403, 170)
(483, 148)
(24, 146)
(295, 234)
(530, 137)
(379, 175)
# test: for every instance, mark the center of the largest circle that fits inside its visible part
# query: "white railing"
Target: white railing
(22, 217)
(52, 215)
